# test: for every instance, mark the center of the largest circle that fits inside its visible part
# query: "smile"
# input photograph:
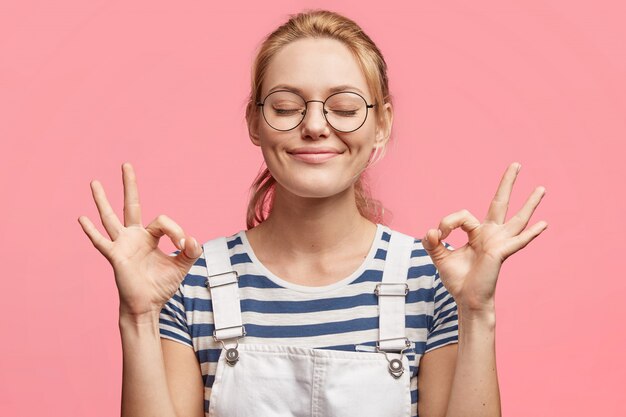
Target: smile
(314, 158)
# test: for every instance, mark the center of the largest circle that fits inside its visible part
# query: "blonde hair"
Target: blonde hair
(319, 24)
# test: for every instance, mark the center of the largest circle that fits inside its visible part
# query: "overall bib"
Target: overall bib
(264, 380)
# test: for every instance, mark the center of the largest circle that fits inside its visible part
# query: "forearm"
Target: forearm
(144, 384)
(475, 391)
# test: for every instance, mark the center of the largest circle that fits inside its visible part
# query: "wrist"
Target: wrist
(483, 316)
(149, 317)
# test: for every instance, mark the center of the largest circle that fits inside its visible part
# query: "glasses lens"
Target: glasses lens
(283, 110)
(346, 111)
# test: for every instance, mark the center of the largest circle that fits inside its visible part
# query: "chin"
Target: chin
(316, 188)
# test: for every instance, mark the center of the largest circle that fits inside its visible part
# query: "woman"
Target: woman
(317, 309)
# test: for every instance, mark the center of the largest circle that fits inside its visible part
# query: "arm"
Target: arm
(475, 390)
(148, 368)
(146, 279)
(470, 275)
(461, 379)
(434, 380)
(184, 378)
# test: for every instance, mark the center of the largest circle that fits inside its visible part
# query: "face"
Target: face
(315, 68)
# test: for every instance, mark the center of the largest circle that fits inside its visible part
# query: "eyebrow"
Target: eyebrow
(336, 89)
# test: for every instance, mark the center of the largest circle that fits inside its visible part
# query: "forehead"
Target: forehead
(314, 66)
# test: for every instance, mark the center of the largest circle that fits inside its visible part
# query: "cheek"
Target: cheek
(274, 146)
(361, 141)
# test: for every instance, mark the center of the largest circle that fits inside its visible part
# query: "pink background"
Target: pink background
(85, 86)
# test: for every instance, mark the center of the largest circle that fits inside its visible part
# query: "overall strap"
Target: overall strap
(392, 293)
(223, 283)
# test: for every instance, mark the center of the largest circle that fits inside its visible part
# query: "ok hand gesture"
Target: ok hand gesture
(145, 276)
(470, 273)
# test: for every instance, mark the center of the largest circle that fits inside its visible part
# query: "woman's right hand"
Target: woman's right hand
(146, 277)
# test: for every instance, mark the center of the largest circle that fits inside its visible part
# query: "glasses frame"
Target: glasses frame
(306, 109)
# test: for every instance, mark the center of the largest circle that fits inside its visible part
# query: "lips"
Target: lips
(314, 155)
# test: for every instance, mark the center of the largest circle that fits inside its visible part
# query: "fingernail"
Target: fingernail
(519, 166)
(440, 233)
(181, 244)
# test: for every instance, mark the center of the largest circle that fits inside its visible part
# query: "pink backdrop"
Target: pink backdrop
(85, 86)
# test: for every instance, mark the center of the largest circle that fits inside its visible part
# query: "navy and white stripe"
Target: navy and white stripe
(342, 316)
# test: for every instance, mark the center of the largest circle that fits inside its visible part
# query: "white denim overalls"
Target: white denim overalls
(263, 380)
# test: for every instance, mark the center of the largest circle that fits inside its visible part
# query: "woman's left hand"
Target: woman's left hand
(470, 273)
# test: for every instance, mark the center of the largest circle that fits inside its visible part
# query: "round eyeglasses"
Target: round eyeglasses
(344, 111)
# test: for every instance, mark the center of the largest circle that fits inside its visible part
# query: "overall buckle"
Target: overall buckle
(396, 368)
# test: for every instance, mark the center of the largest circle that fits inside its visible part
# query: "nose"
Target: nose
(314, 123)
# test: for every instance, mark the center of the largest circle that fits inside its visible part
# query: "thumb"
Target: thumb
(434, 246)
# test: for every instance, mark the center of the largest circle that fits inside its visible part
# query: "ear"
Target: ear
(252, 120)
(383, 125)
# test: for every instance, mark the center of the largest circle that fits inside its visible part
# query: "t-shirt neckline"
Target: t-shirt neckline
(314, 289)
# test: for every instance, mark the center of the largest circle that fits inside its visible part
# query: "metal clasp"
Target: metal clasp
(243, 333)
(235, 281)
(394, 291)
(396, 368)
(232, 354)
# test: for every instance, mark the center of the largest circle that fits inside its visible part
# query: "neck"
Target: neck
(301, 226)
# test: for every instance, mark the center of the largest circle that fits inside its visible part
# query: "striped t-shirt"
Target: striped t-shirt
(342, 316)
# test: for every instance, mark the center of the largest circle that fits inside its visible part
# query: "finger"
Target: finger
(108, 217)
(518, 222)
(434, 246)
(520, 241)
(132, 209)
(500, 202)
(164, 225)
(100, 242)
(463, 219)
(190, 252)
